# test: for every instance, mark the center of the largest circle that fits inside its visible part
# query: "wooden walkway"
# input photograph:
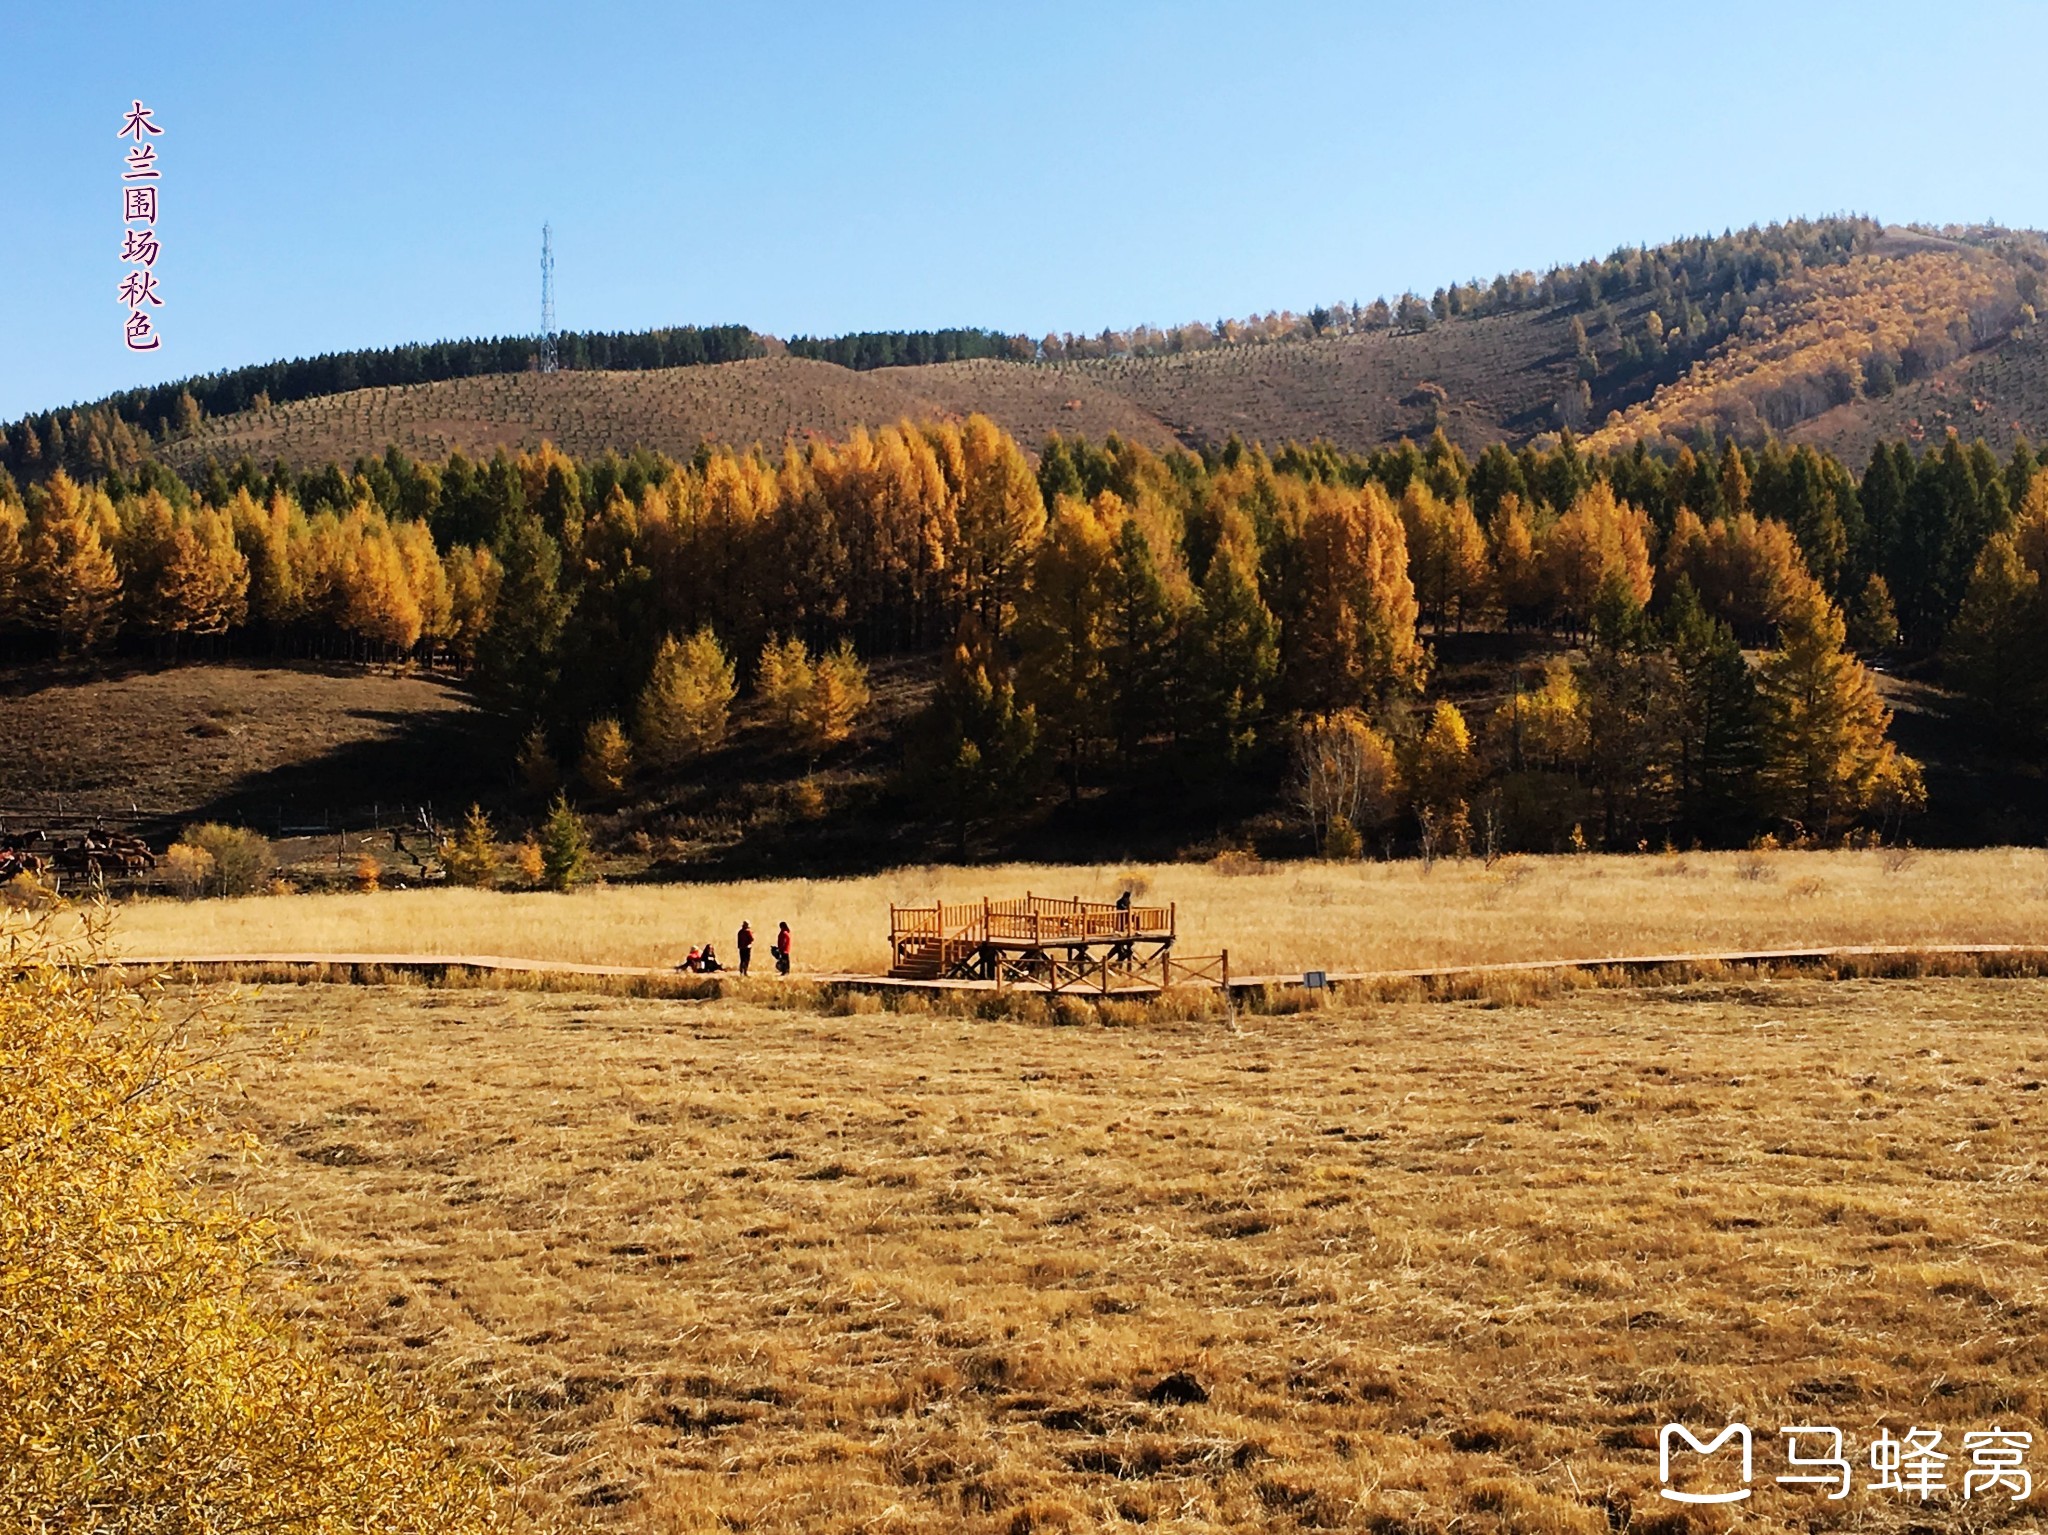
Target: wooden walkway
(370, 967)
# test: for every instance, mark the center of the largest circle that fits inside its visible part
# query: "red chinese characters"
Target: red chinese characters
(139, 247)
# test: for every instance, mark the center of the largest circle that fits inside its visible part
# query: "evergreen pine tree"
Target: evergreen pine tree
(1062, 630)
(976, 747)
(1994, 647)
(1141, 630)
(1234, 653)
(564, 847)
(1718, 721)
(518, 656)
(1883, 498)
(1627, 692)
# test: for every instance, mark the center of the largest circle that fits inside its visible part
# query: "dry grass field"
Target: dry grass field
(1434, 1267)
(1284, 918)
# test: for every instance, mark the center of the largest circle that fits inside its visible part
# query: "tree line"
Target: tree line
(1112, 611)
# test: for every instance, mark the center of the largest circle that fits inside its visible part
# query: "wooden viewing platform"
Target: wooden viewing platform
(1040, 939)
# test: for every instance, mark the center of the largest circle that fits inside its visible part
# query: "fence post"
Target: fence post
(1229, 996)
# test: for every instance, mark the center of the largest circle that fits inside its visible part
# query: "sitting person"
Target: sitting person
(696, 960)
(709, 961)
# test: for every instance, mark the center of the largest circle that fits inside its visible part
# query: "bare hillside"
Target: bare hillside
(669, 410)
(1484, 380)
(1905, 335)
(1996, 395)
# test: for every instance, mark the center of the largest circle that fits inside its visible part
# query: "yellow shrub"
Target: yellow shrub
(147, 1380)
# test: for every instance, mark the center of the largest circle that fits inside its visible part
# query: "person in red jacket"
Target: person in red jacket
(745, 943)
(781, 950)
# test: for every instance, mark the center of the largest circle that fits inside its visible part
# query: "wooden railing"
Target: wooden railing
(1100, 973)
(1035, 920)
(1196, 970)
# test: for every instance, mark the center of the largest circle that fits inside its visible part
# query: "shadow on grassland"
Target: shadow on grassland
(443, 760)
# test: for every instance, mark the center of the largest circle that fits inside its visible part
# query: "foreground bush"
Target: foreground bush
(147, 1381)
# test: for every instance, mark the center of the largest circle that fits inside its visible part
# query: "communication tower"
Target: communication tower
(548, 360)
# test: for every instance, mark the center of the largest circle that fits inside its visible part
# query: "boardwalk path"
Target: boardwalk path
(376, 967)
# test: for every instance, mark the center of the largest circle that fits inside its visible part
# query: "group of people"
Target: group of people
(705, 960)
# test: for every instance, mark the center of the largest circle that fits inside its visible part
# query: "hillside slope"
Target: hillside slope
(1497, 378)
(1838, 334)
(669, 410)
(1996, 394)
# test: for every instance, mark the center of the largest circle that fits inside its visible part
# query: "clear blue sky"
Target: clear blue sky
(364, 174)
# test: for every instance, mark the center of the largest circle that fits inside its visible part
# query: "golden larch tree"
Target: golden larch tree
(687, 702)
(70, 585)
(1827, 756)
(1352, 638)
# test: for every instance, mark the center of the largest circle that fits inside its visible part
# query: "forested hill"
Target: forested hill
(1837, 331)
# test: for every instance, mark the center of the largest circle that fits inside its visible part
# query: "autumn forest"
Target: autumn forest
(1706, 615)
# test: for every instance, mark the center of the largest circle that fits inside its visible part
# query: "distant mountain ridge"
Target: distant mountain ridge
(1837, 331)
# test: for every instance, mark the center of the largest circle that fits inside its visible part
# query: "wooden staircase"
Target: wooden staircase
(929, 958)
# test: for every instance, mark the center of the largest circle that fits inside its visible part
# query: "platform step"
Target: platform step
(920, 960)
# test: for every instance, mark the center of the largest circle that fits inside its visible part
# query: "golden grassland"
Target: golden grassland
(1438, 1266)
(1283, 919)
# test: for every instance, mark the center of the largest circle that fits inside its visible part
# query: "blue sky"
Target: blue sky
(338, 176)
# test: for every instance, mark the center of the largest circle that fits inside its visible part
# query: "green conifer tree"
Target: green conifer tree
(564, 847)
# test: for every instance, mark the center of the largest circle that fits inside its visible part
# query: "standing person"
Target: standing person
(782, 950)
(745, 943)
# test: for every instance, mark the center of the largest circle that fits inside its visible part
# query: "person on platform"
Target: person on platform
(782, 950)
(745, 944)
(709, 962)
(696, 960)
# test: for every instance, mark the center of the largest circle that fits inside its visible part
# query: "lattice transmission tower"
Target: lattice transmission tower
(548, 360)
